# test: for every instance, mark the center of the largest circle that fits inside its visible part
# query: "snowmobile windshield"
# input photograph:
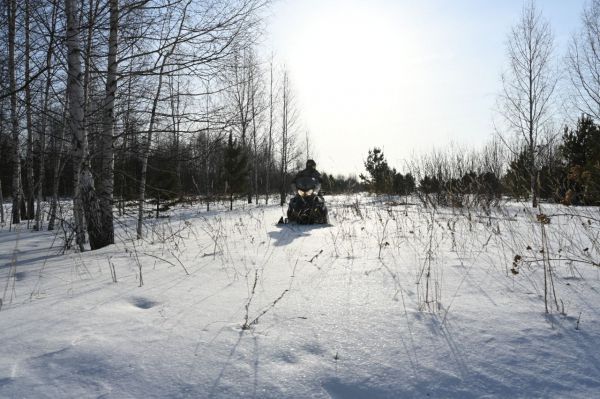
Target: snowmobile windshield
(307, 183)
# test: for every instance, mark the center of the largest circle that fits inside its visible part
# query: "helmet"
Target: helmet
(310, 164)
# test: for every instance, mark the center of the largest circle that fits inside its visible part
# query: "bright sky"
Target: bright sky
(403, 75)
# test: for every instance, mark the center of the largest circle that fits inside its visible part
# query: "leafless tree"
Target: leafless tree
(289, 125)
(269, 144)
(583, 60)
(494, 157)
(244, 91)
(29, 214)
(257, 108)
(14, 118)
(163, 60)
(57, 144)
(44, 115)
(106, 156)
(86, 206)
(529, 83)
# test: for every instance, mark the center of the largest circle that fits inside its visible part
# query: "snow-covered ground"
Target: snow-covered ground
(391, 301)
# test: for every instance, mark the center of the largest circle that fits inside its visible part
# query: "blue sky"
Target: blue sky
(402, 75)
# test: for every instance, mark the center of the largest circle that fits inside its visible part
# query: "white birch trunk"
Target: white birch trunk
(85, 201)
(16, 157)
(57, 147)
(270, 143)
(106, 186)
(44, 123)
(28, 116)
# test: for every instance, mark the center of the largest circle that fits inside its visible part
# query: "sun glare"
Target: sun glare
(355, 66)
(338, 48)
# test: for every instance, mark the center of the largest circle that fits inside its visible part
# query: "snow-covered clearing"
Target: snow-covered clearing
(391, 301)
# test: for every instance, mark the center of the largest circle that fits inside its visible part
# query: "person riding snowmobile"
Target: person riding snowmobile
(307, 206)
(309, 171)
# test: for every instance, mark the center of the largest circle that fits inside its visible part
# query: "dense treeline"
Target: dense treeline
(568, 172)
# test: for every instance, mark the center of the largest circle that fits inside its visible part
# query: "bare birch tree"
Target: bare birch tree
(44, 116)
(86, 205)
(269, 149)
(106, 157)
(163, 59)
(289, 120)
(57, 144)
(583, 60)
(29, 214)
(256, 111)
(242, 92)
(529, 83)
(14, 118)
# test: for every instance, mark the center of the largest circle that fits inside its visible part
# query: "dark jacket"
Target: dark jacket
(309, 173)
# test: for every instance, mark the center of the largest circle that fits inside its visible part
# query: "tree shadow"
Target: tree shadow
(337, 388)
(24, 262)
(214, 388)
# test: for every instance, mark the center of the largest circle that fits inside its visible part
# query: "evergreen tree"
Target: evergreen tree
(380, 179)
(489, 185)
(581, 152)
(403, 184)
(398, 183)
(518, 175)
(430, 185)
(550, 177)
(235, 169)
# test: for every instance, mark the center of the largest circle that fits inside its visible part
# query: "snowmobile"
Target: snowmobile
(308, 205)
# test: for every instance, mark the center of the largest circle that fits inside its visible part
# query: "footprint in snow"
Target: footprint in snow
(314, 349)
(143, 303)
(20, 276)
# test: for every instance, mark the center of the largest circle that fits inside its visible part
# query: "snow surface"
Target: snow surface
(341, 311)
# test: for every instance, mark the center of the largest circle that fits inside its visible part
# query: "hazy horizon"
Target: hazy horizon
(399, 75)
